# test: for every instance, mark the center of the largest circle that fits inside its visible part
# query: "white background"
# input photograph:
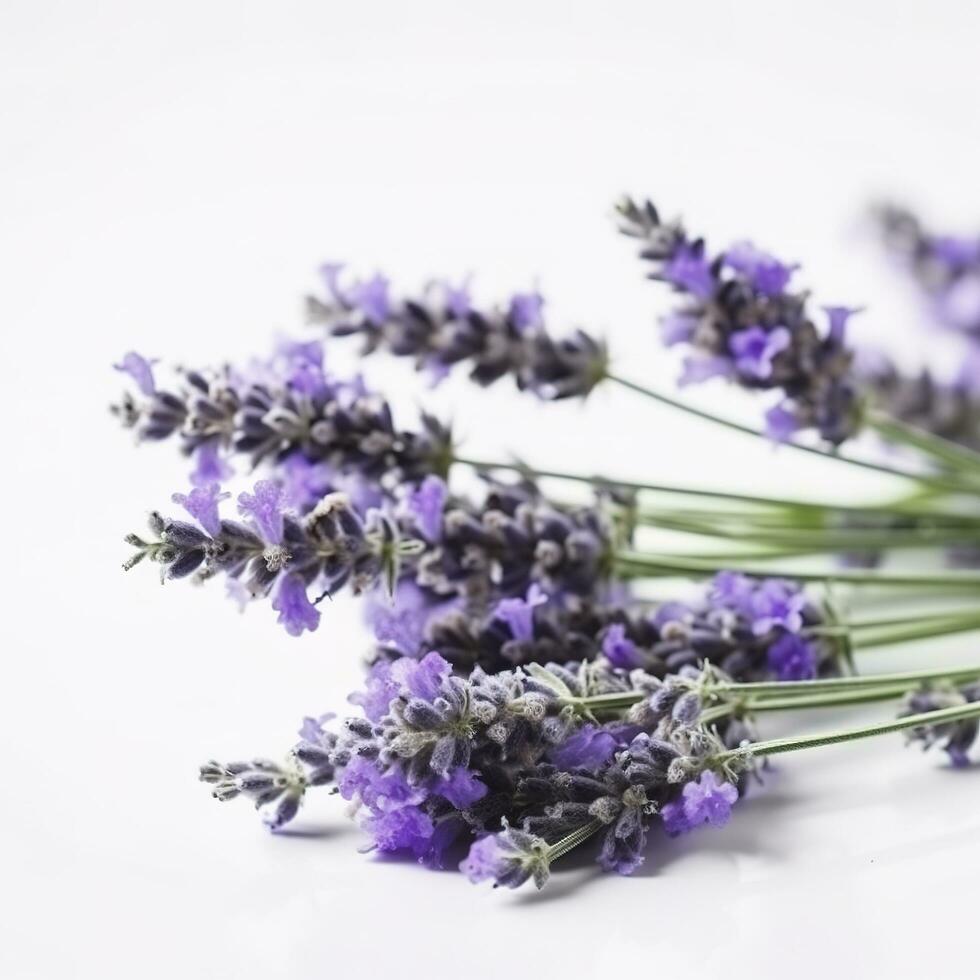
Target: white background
(170, 176)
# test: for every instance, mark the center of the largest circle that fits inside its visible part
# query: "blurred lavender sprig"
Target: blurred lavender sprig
(945, 267)
(442, 327)
(742, 321)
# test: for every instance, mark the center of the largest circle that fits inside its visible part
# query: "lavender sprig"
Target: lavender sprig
(442, 327)
(449, 551)
(516, 767)
(743, 323)
(945, 267)
(323, 432)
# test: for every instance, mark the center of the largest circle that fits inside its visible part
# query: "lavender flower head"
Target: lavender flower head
(742, 322)
(442, 327)
(946, 268)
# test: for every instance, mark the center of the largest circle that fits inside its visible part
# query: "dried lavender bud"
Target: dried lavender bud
(442, 328)
(957, 736)
(508, 858)
(323, 433)
(276, 789)
(946, 268)
(744, 324)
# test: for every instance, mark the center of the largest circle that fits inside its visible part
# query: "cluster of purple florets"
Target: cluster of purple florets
(500, 769)
(742, 321)
(946, 267)
(442, 327)
(520, 699)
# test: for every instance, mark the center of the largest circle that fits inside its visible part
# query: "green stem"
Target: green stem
(825, 540)
(908, 679)
(924, 631)
(813, 450)
(836, 700)
(576, 837)
(607, 481)
(776, 746)
(950, 453)
(695, 568)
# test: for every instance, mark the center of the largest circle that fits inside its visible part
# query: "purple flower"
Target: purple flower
(525, 310)
(755, 349)
(791, 658)
(425, 504)
(705, 800)
(421, 678)
(202, 504)
(776, 602)
(331, 277)
(264, 506)
(380, 689)
(837, 317)
(674, 612)
(371, 298)
(304, 483)
(590, 747)
(400, 622)
(732, 590)
(209, 467)
(312, 729)
(304, 366)
(767, 274)
(959, 306)
(694, 370)
(619, 649)
(457, 299)
(781, 423)
(689, 269)
(508, 858)
(296, 612)
(954, 250)
(140, 370)
(677, 328)
(461, 787)
(238, 592)
(404, 828)
(518, 614)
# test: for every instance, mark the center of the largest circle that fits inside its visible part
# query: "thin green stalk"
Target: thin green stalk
(951, 453)
(757, 692)
(927, 479)
(909, 679)
(831, 540)
(839, 700)
(608, 481)
(925, 631)
(776, 746)
(693, 567)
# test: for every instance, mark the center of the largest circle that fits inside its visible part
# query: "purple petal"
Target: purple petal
(296, 612)
(202, 504)
(140, 370)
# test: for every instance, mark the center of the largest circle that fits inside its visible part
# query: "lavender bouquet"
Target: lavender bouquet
(534, 683)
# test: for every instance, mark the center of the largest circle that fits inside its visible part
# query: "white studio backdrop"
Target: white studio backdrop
(170, 177)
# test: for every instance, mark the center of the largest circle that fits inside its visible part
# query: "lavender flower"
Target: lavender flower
(958, 736)
(946, 268)
(442, 328)
(286, 410)
(707, 799)
(743, 323)
(950, 409)
(508, 858)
